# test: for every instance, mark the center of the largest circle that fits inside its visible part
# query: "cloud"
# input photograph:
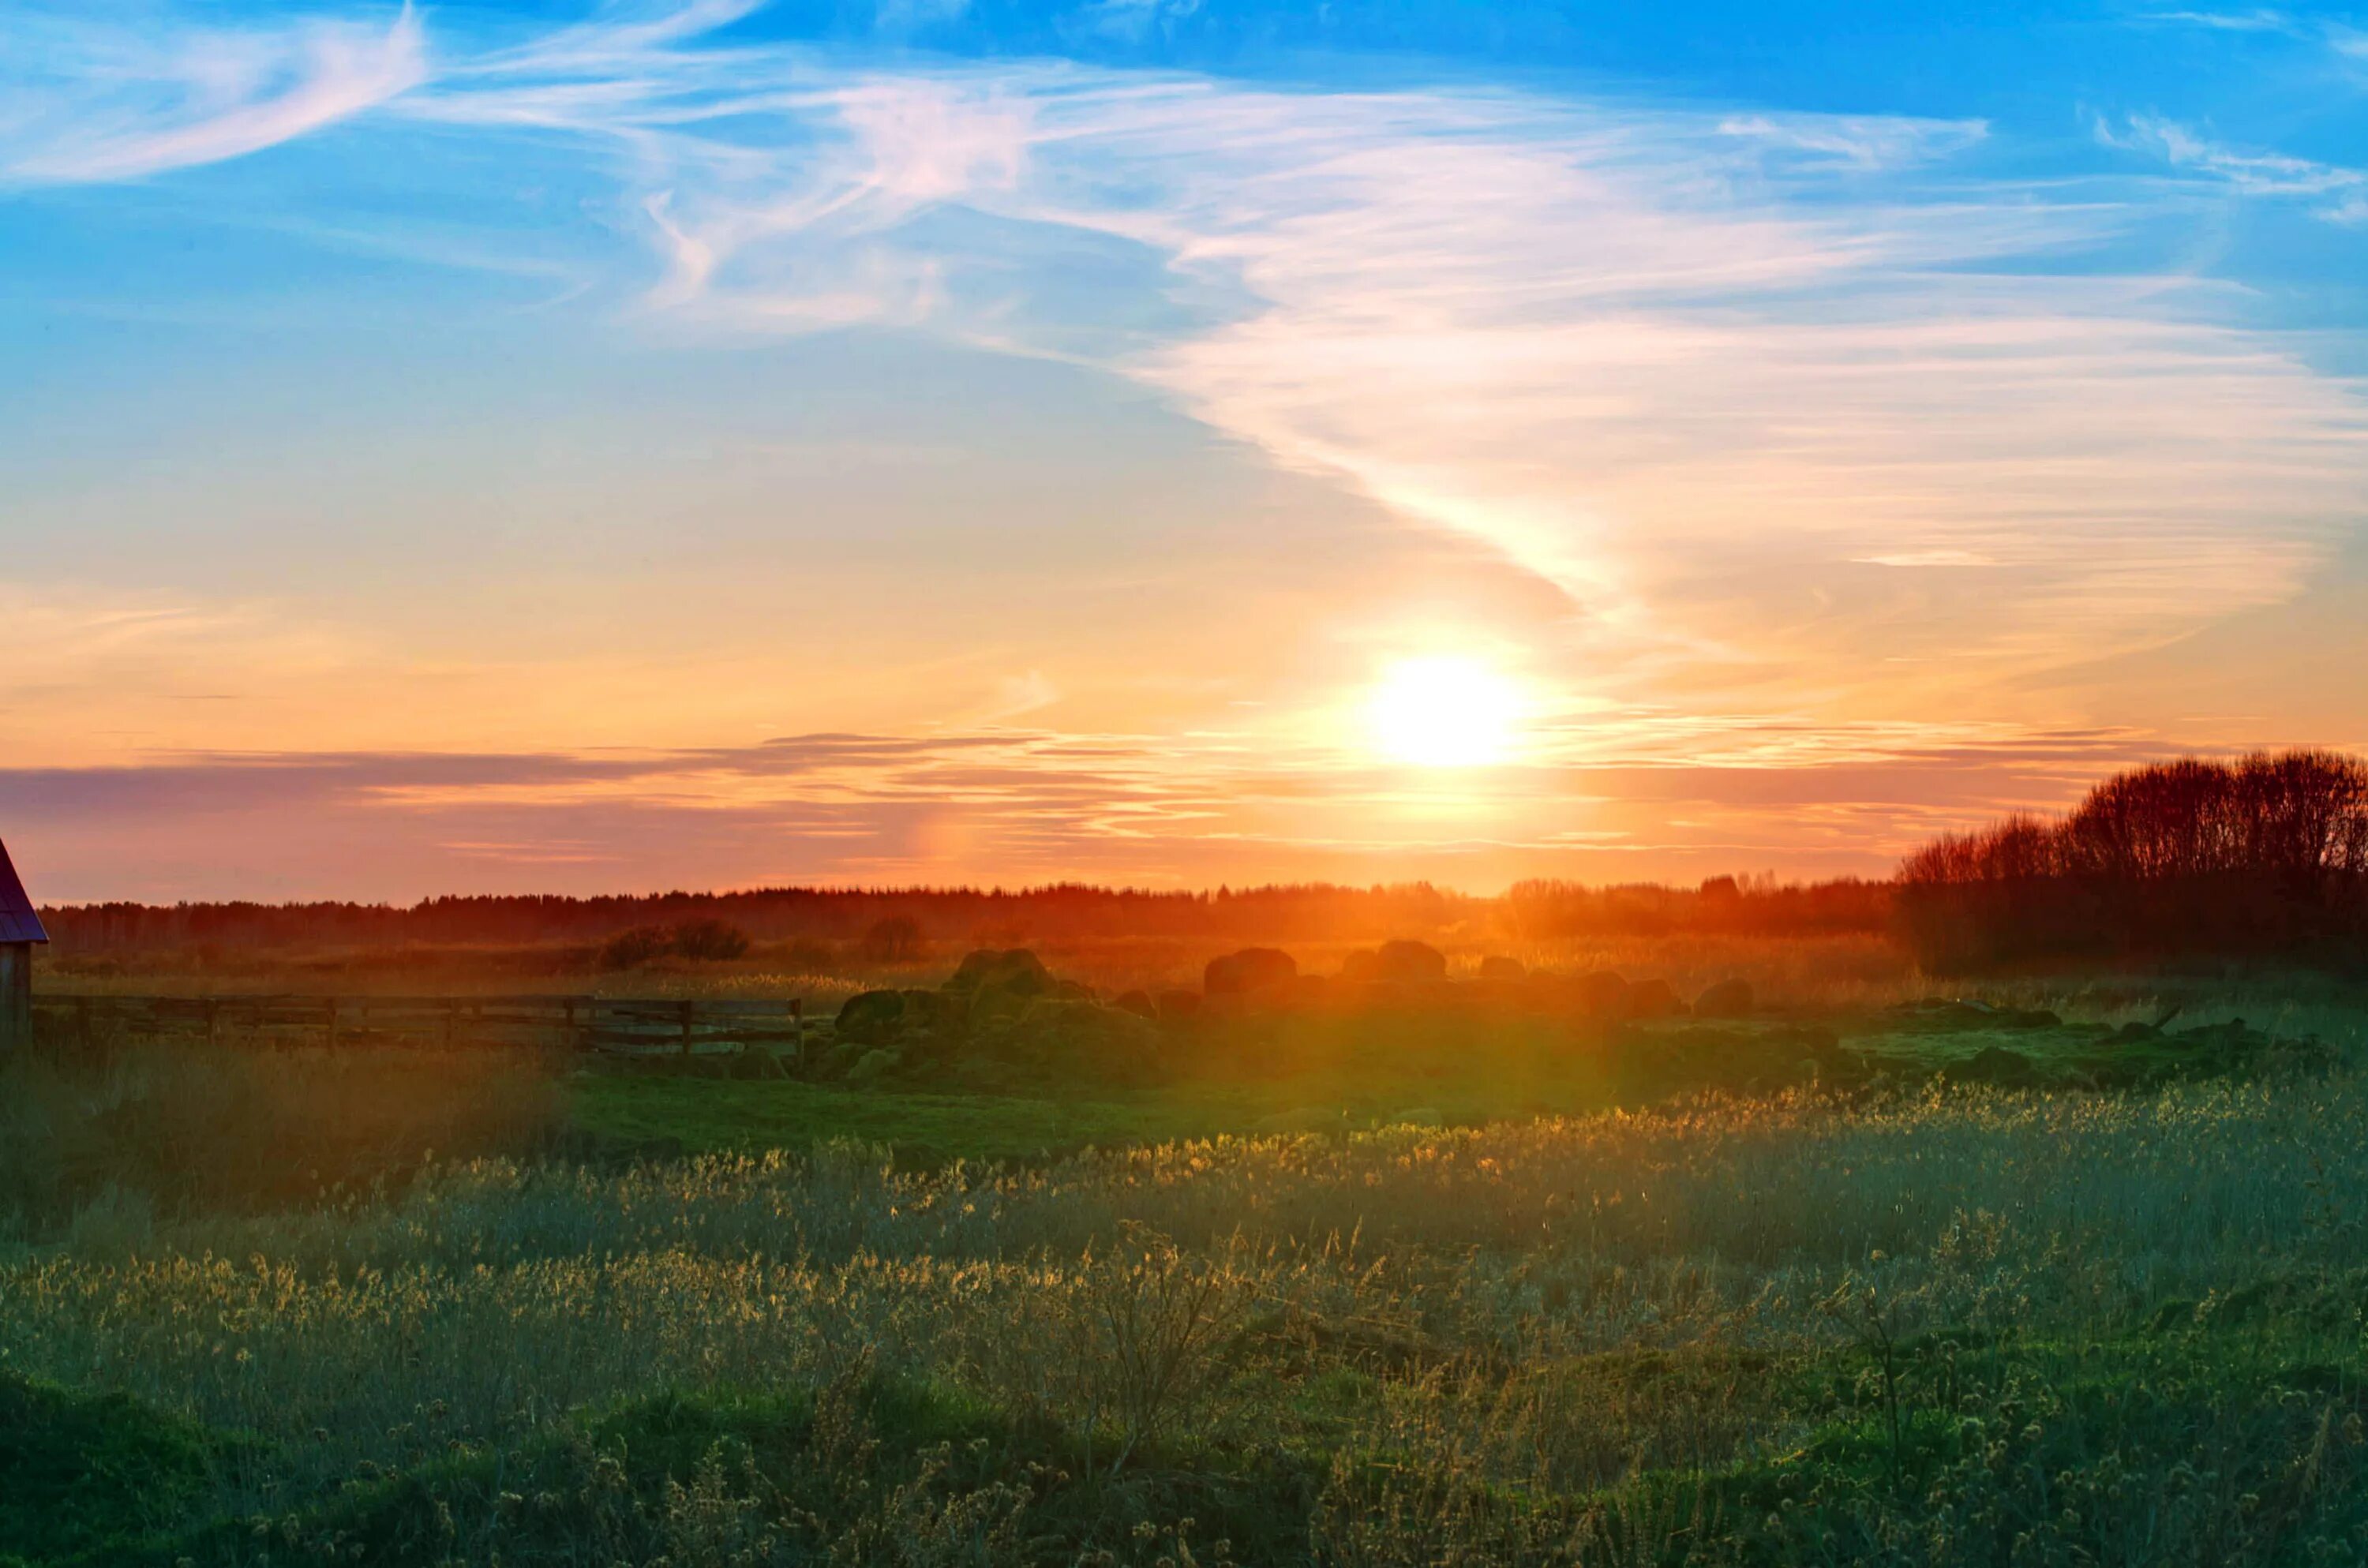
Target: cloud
(2264, 174)
(72, 644)
(2346, 42)
(904, 17)
(1864, 142)
(1682, 365)
(1672, 384)
(115, 107)
(1002, 805)
(1128, 21)
(1015, 696)
(2344, 190)
(1915, 558)
(2259, 20)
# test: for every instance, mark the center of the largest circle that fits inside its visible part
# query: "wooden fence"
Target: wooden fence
(652, 1027)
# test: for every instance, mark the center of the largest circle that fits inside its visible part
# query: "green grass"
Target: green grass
(1338, 1075)
(1916, 1323)
(712, 1115)
(2231, 1438)
(698, 1113)
(706, 1116)
(92, 1477)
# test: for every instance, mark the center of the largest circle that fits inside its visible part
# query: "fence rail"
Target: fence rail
(639, 1027)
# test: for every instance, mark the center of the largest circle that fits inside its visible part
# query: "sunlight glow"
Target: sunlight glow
(1444, 713)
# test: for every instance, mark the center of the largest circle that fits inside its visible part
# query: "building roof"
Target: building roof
(19, 923)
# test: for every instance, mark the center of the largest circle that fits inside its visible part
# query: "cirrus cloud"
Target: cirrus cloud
(101, 104)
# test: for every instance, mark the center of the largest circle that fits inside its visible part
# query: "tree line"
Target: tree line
(906, 919)
(2266, 854)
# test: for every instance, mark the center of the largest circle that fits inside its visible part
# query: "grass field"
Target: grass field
(1337, 1076)
(1332, 1299)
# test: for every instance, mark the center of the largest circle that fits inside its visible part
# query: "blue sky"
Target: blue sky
(471, 445)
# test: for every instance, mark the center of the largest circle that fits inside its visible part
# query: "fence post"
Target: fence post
(688, 1012)
(333, 1023)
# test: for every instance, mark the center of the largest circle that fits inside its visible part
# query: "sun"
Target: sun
(1443, 713)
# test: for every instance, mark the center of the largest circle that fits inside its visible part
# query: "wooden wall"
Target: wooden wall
(16, 995)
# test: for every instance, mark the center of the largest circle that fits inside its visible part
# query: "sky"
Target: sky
(542, 446)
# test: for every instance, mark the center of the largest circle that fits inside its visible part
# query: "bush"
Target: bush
(709, 942)
(1412, 963)
(700, 941)
(632, 949)
(1251, 969)
(1725, 999)
(1016, 970)
(871, 1015)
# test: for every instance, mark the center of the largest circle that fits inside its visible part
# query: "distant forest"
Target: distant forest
(2265, 855)
(958, 917)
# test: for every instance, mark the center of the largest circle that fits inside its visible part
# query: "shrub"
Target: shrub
(1725, 999)
(632, 949)
(712, 941)
(1412, 963)
(871, 1015)
(1251, 969)
(700, 941)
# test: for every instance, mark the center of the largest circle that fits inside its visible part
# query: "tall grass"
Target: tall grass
(1727, 1331)
(123, 1135)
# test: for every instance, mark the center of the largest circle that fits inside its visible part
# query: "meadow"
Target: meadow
(1464, 1296)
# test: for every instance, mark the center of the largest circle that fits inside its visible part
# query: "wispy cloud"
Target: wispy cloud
(1866, 142)
(1129, 21)
(2260, 19)
(1684, 365)
(78, 640)
(898, 18)
(2251, 173)
(98, 103)
(1002, 805)
(2346, 41)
